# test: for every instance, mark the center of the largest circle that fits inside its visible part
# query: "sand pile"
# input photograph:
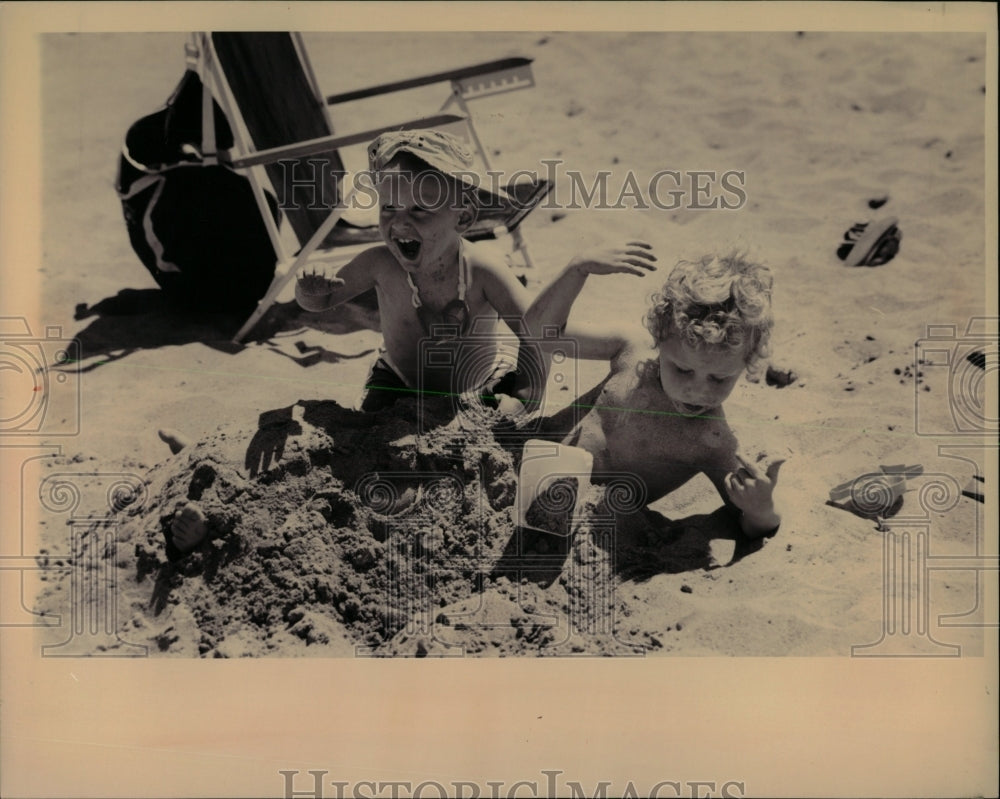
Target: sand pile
(325, 523)
(334, 532)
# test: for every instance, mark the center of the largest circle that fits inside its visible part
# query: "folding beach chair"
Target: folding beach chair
(284, 137)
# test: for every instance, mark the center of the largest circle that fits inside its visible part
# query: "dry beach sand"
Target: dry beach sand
(819, 123)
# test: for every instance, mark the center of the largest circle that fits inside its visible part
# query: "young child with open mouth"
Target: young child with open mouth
(434, 288)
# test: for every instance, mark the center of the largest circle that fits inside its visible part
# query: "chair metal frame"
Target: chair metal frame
(466, 83)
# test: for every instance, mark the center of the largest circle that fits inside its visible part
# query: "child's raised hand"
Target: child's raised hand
(317, 283)
(634, 258)
(752, 491)
(312, 290)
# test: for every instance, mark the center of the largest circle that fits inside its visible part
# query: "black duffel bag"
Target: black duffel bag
(195, 226)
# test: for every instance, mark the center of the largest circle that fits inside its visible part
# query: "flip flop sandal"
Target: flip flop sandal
(870, 243)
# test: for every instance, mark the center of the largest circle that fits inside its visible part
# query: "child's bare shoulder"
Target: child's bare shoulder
(379, 256)
(493, 282)
(631, 381)
(379, 263)
(635, 357)
(485, 260)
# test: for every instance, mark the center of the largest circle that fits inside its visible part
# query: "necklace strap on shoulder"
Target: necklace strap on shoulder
(463, 278)
(415, 297)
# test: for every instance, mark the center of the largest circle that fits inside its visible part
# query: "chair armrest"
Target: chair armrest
(327, 143)
(438, 77)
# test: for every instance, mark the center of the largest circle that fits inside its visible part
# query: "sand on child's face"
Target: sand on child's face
(697, 380)
(420, 217)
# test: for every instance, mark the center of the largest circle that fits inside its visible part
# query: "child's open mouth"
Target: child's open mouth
(410, 248)
(692, 410)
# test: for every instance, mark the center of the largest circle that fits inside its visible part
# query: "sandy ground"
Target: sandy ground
(820, 124)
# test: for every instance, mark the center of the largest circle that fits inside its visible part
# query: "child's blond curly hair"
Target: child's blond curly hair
(718, 302)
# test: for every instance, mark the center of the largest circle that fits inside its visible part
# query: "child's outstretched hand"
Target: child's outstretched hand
(313, 291)
(635, 258)
(752, 491)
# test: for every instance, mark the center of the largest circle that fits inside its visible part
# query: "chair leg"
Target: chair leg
(280, 281)
(521, 246)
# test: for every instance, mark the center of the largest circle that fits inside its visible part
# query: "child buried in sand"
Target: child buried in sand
(658, 414)
(434, 289)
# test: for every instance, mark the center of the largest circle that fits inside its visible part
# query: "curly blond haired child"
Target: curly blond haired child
(658, 413)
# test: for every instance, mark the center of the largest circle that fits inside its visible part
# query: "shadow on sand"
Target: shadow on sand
(644, 544)
(145, 319)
